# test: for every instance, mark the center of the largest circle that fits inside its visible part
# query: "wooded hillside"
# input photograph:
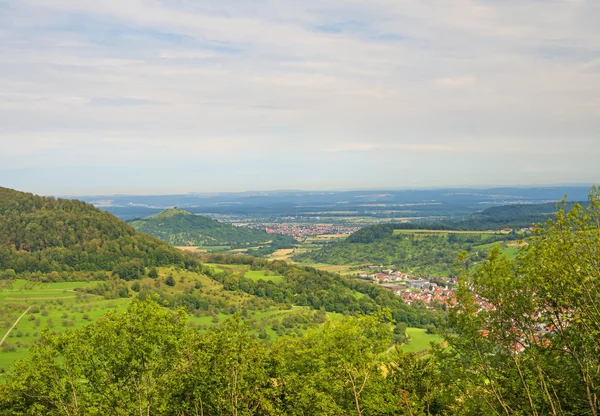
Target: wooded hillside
(45, 234)
(182, 228)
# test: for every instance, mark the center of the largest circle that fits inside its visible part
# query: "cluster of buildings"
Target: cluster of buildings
(430, 294)
(304, 230)
(432, 290)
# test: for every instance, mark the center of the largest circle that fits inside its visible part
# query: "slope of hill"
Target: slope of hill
(47, 234)
(182, 228)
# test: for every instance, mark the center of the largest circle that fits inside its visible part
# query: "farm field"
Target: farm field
(282, 254)
(509, 249)
(262, 275)
(203, 249)
(59, 306)
(419, 340)
(395, 232)
(53, 306)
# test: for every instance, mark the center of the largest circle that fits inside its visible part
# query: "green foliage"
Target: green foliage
(153, 273)
(182, 228)
(335, 370)
(149, 361)
(535, 346)
(46, 234)
(129, 270)
(170, 280)
(421, 253)
(318, 289)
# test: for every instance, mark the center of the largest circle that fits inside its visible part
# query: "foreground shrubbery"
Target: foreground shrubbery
(149, 361)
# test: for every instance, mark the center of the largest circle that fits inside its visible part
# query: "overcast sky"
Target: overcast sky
(149, 96)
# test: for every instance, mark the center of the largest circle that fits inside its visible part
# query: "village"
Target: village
(300, 231)
(432, 291)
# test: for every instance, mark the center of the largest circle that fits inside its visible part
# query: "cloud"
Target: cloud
(451, 82)
(299, 81)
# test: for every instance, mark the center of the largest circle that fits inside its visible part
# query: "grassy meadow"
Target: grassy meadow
(419, 340)
(54, 306)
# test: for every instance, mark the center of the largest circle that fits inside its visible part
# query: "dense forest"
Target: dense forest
(47, 234)
(182, 228)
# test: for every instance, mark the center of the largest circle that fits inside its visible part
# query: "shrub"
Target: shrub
(170, 281)
(7, 347)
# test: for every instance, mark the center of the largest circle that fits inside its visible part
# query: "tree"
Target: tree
(170, 280)
(335, 370)
(527, 332)
(115, 366)
(129, 270)
(153, 273)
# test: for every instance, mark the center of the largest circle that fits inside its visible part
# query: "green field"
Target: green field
(262, 275)
(510, 250)
(58, 306)
(419, 340)
(447, 232)
(54, 306)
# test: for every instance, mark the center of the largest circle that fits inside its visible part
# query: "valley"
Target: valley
(384, 302)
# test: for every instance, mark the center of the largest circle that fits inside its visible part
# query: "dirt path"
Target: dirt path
(13, 327)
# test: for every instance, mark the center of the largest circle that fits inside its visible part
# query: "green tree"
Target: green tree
(129, 270)
(334, 370)
(527, 332)
(123, 364)
(153, 273)
(170, 280)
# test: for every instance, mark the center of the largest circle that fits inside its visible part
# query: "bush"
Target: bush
(8, 274)
(7, 347)
(129, 270)
(153, 273)
(170, 281)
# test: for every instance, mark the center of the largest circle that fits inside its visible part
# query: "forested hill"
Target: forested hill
(182, 228)
(47, 234)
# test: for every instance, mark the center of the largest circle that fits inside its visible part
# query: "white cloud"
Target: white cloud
(451, 82)
(185, 79)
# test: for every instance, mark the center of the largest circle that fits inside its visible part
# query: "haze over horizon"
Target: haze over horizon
(151, 97)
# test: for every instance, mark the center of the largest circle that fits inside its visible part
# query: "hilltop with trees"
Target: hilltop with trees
(44, 234)
(182, 228)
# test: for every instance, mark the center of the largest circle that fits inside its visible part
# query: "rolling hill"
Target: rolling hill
(182, 228)
(43, 234)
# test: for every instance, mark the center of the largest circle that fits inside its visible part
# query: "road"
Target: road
(13, 327)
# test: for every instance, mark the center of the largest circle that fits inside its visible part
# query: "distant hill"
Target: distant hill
(182, 228)
(47, 234)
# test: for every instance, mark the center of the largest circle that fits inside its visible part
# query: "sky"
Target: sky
(171, 96)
